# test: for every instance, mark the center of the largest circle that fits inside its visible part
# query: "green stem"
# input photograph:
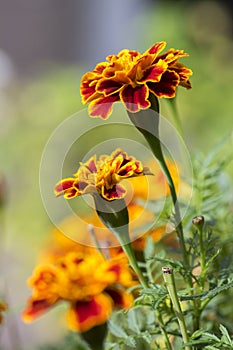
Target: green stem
(155, 145)
(132, 259)
(202, 251)
(114, 216)
(147, 122)
(158, 315)
(171, 287)
(163, 330)
(198, 222)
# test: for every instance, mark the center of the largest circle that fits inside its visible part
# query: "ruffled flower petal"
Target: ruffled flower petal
(171, 56)
(108, 86)
(64, 186)
(37, 307)
(102, 107)
(84, 315)
(157, 48)
(115, 192)
(135, 98)
(89, 81)
(154, 73)
(91, 164)
(88, 87)
(184, 74)
(121, 298)
(167, 85)
(112, 85)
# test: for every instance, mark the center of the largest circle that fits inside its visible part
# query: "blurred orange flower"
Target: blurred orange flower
(73, 234)
(130, 77)
(3, 307)
(156, 186)
(91, 285)
(101, 176)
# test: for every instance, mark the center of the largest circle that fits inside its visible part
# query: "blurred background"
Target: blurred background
(45, 48)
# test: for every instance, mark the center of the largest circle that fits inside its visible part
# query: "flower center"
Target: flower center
(127, 61)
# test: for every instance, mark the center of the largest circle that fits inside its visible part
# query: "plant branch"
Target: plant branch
(170, 284)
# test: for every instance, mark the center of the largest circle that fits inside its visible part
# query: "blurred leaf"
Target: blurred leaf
(116, 330)
(227, 338)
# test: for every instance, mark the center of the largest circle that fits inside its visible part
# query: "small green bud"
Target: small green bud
(198, 221)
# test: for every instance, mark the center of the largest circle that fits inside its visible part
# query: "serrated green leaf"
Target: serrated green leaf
(116, 330)
(213, 258)
(147, 337)
(156, 303)
(226, 335)
(210, 347)
(211, 336)
(209, 294)
(197, 334)
(130, 341)
(218, 290)
(195, 342)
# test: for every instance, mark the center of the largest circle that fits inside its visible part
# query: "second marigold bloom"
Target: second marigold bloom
(101, 176)
(130, 77)
(92, 293)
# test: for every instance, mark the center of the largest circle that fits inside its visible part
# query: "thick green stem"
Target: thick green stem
(114, 216)
(171, 287)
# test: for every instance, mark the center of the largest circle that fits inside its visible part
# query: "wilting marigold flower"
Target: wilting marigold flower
(101, 176)
(130, 77)
(91, 285)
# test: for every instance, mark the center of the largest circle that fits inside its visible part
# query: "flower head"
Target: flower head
(91, 285)
(101, 176)
(130, 77)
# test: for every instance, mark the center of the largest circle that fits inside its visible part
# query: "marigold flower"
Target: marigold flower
(130, 77)
(91, 285)
(101, 176)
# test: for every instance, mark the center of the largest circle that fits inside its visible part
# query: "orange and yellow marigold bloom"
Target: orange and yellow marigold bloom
(101, 176)
(91, 285)
(130, 77)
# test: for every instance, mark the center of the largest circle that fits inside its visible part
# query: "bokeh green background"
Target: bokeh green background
(34, 104)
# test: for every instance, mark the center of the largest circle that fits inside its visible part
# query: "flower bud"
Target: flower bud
(198, 221)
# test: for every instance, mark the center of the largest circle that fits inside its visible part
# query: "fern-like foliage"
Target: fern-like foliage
(211, 195)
